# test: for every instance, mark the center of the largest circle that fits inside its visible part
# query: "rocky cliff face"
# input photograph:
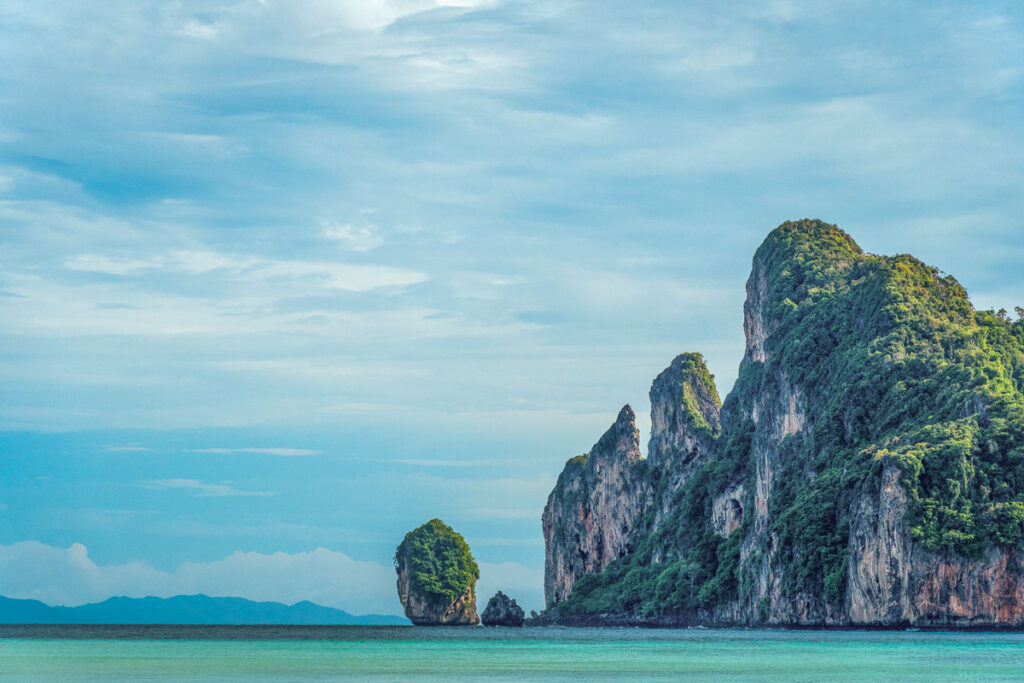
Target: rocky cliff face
(593, 509)
(685, 413)
(424, 609)
(685, 421)
(894, 580)
(857, 474)
(777, 415)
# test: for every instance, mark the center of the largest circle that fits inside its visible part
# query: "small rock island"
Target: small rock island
(502, 610)
(437, 576)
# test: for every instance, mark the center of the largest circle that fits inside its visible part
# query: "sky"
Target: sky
(281, 281)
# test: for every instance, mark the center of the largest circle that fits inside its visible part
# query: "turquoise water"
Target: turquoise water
(186, 653)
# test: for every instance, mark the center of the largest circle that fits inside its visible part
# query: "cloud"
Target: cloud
(355, 238)
(350, 277)
(427, 462)
(201, 488)
(284, 452)
(94, 263)
(360, 15)
(199, 30)
(68, 576)
(560, 168)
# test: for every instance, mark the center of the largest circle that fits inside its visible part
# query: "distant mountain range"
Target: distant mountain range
(186, 609)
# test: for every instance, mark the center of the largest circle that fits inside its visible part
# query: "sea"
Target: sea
(408, 653)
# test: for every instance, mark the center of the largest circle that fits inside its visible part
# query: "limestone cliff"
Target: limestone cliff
(866, 468)
(894, 580)
(594, 508)
(437, 576)
(685, 421)
(424, 609)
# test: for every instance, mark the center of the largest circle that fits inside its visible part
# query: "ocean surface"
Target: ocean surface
(393, 653)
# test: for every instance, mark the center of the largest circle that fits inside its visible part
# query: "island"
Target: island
(437, 576)
(867, 468)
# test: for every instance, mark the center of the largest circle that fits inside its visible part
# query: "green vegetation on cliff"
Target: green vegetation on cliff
(698, 385)
(439, 561)
(896, 364)
(695, 568)
(890, 363)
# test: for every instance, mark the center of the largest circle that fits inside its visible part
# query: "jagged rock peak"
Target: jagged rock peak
(685, 409)
(591, 513)
(622, 439)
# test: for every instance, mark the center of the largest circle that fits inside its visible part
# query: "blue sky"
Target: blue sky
(280, 281)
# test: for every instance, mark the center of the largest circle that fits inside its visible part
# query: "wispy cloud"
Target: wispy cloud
(201, 488)
(428, 462)
(284, 452)
(350, 277)
(355, 238)
(359, 15)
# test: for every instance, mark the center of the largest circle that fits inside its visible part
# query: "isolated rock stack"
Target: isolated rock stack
(437, 577)
(502, 610)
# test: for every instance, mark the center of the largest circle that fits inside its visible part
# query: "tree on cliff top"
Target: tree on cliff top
(439, 561)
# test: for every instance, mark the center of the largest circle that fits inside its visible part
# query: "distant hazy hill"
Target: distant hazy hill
(185, 609)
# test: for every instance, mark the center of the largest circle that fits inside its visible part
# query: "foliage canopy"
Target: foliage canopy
(439, 561)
